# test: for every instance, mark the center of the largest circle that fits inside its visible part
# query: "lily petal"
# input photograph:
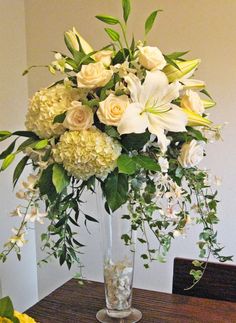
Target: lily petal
(172, 93)
(173, 120)
(153, 87)
(163, 142)
(133, 120)
(134, 86)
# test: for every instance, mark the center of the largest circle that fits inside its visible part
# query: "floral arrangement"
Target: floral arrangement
(128, 118)
(8, 315)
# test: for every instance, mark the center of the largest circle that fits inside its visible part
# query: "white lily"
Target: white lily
(151, 107)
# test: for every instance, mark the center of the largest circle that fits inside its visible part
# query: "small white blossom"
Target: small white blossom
(164, 164)
(35, 215)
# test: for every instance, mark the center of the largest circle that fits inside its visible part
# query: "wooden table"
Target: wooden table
(74, 304)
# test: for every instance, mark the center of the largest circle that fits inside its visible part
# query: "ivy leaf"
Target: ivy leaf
(60, 178)
(126, 9)
(116, 190)
(147, 163)
(150, 21)
(108, 19)
(8, 161)
(126, 164)
(114, 35)
(19, 169)
(6, 308)
(60, 118)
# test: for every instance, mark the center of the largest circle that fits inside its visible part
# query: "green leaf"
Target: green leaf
(120, 56)
(108, 19)
(46, 186)
(150, 21)
(204, 91)
(4, 135)
(41, 144)
(27, 143)
(126, 164)
(112, 132)
(90, 218)
(126, 9)
(9, 150)
(6, 308)
(147, 163)
(114, 35)
(171, 62)
(8, 161)
(135, 141)
(61, 222)
(60, 178)
(60, 118)
(19, 169)
(116, 190)
(68, 44)
(28, 134)
(176, 55)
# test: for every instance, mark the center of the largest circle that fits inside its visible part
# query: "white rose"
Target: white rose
(151, 58)
(191, 154)
(79, 117)
(103, 56)
(111, 110)
(192, 101)
(93, 75)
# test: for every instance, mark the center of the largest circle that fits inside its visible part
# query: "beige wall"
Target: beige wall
(15, 277)
(208, 29)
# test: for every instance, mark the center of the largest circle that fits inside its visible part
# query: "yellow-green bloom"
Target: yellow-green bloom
(86, 153)
(186, 69)
(45, 105)
(208, 104)
(195, 119)
(71, 37)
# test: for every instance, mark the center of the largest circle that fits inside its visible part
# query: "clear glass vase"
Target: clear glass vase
(118, 262)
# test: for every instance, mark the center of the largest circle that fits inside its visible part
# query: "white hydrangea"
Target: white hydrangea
(86, 153)
(45, 105)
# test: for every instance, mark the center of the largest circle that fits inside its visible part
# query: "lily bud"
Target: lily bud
(208, 104)
(195, 119)
(191, 84)
(186, 69)
(73, 41)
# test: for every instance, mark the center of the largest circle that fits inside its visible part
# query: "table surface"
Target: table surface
(72, 303)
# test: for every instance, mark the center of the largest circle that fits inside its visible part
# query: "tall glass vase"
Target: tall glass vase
(118, 264)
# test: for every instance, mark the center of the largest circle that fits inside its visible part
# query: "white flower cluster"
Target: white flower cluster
(45, 106)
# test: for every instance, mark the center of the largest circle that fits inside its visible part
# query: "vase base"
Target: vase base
(134, 317)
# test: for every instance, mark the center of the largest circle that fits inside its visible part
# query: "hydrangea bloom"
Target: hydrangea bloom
(86, 153)
(45, 105)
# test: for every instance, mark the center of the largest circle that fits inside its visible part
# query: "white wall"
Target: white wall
(15, 277)
(207, 28)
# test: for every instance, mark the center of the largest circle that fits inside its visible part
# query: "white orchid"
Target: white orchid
(151, 107)
(35, 215)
